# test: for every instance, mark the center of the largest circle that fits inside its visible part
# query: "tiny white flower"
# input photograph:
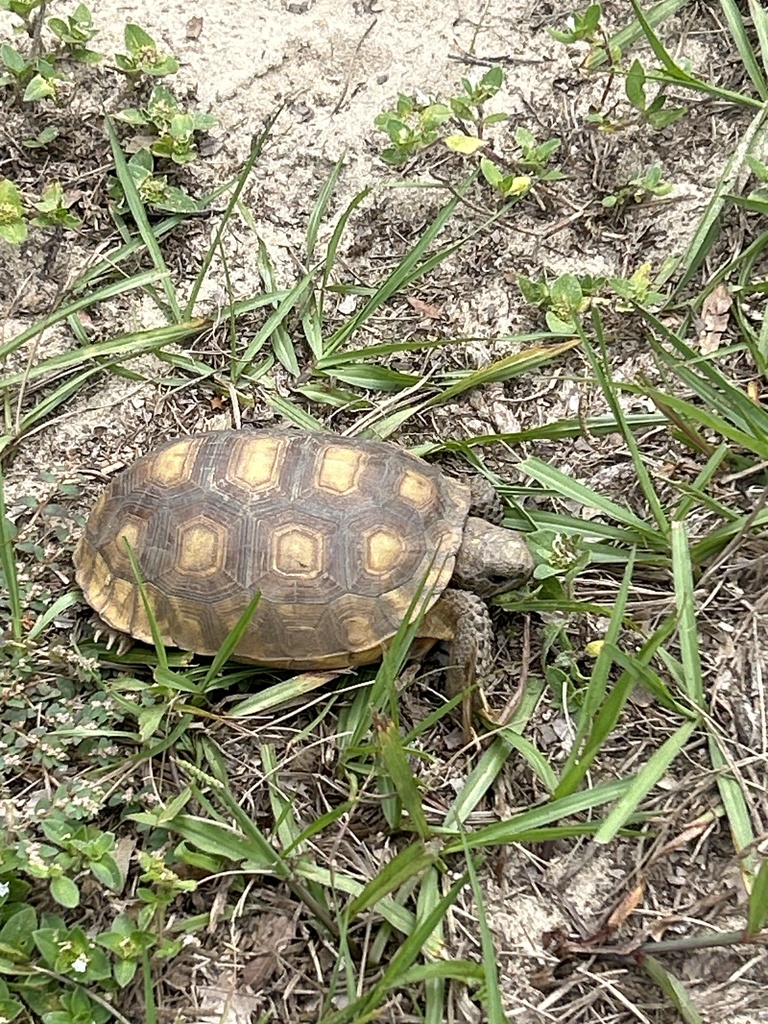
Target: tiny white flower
(4, 890)
(81, 964)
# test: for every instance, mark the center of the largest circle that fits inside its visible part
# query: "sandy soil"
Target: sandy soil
(333, 66)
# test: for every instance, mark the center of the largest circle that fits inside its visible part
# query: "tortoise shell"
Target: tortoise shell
(338, 536)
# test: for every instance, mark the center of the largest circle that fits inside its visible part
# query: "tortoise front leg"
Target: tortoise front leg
(461, 619)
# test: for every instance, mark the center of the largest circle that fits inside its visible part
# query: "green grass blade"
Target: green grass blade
(510, 830)
(402, 961)
(61, 604)
(675, 75)
(737, 811)
(757, 914)
(672, 989)
(139, 214)
(257, 147)
(398, 769)
(10, 575)
(709, 228)
(648, 776)
(162, 657)
(759, 16)
(493, 1002)
(414, 264)
(601, 371)
(741, 38)
(562, 484)
(504, 369)
(289, 692)
(492, 761)
(686, 616)
(231, 641)
(224, 840)
(125, 346)
(43, 411)
(434, 988)
(273, 322)
(320, 209)
(282, 345)
(285, 826)
(109, 291)
(405, 866)
(399, 917)
(629, 35)
(573, 770)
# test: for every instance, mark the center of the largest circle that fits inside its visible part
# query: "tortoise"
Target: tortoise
(341, 536)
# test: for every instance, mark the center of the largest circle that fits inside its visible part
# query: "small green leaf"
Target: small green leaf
(635, 85)
(12, 59)
(124, 970)
(65, 892)
(465, 144)
(136, 38)
(492, 80)
(491, 172)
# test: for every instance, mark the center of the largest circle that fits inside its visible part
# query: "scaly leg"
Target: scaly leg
(462, 620)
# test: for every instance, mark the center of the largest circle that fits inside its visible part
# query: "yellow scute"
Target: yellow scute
(340, 468)
(255, 462)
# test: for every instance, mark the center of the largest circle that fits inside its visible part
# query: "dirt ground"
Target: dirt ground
(333, 65)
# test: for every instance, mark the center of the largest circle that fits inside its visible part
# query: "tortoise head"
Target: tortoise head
(491, 559)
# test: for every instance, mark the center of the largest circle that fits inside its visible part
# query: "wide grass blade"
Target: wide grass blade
(573, 490)
(109, 291)
(672, 989)
(405, 866)
(648, 776)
